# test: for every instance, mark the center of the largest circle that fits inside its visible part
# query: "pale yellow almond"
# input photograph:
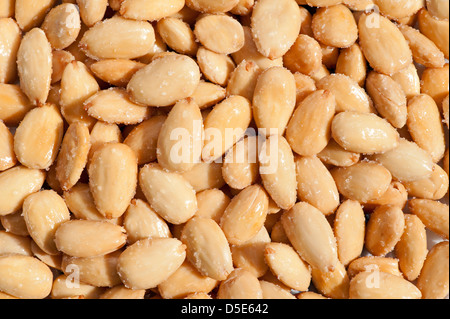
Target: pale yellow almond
(315, 185)
(149, 10)
(363, 181)
(372, 263)
(212, 204)
(310, 295)
(311, 235)
(275, 26)
(178, 35)
(152, 86)
(396, 195)
(205, 176)
(159, 47)
(29, 13)
(53, 261)
(381, 285)
(278, 235)
(212, 6)
(364, 133)
(92, 11)
(351, 62)
(143, 139)
(100, 271)
(434, 187)
(35, 70)
(305, 85)
(245, 215)
(216, 67)
(60, 59)
(121, 292)
(438, 9)
(275, 93)
(419, 164)
(240, 284)
(334, 154)
(359, 5)
(434, 82)
(243, 7)
(7, 155)
(409, 80)
(62, 25)
(445, 110)
(14, 224)
(118, 38)
(61, 289)
(433, 281)
(208, 94)
(437, 30)
(141, 221)
(412, 250)
(117, 72)
(14, 244)
(349, 229)
(273, 291)
(378, 34)
(322, 3)
(25, 277)
(89, 238)
(187, 14)
(73, 155)
(10, 39)
(149, 262)
(309, 129)
(349, 95)
(101, 133)
(388, 97)
(395, 9)
(7, 8)
(433, 214)
(332, 284)
(169, 194)
(15, 104)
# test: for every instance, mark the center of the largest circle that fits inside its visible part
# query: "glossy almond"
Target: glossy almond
(10, 42)
(7, 156)
(7, 8)
(62, 290)
(438, 9)
(434, 187)
(332, 284)
(369, 263)
(351, 62)
(409, 80)
(15, 104)
(208, 94)
(150, 10)
(396, 195)
(212, 203)
(399, 9)
(117, 72)
(240, 284)
(433, 214)
(334, 154)
(29, 13)
(304, 56)
(205, 176)
(178, 35)
(92, 11)
(273, 291)
(216, 67)
(437, 30)
(14, 244)
(14, 224)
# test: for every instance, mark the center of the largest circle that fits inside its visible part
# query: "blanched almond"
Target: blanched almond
(208, 94)
(216, 67)
(15, 104)
(62, 25)
(399, 9)
(240, 284)
(211, 204)
(396, 195)
(121, 292)
(434, 187)
(117, 72)
(7, 8)
(304, 56)
(7, 156)
(150, 10)
(273, 291)
(438, 9)
(178, 35)
(305, 86)
(445, 110)
(433, 214)
(409, 80)
(212, 6)
(60, 59)
(14, 244)
(436, 30)
(368, 263)
(332, 284)
(14, 224)
(92, 11)
(205, 176)
(29, 13)
(322, 3)
(351, 62)
(435, 83)
(103, 133)
(61, 289)
(10, 41)
(334, 154)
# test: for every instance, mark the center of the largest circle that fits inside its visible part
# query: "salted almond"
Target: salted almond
(113, 178)
(118, 38)
(433, 281)
(169, 194)
(315, 185)
(381, 285)
(62, 25)
(433, 214)
(89, 238)
(7, 8)
(14, 244)
(212, 6)
(419, 164)
(435, 83)
(409, 80)
(332, 284)
(212, 203)
(15, 104)
(445, 110)
(205, 176)
(388, 97)
(121, 292)
(149, 262)
(60, 59)
(396, 195)
(251, 205)
(322, 3)
(370, 263)
(61, 289)
(438, 9)
(53, 261)
(436, 30)
(273, 291)
(351, 62)
(278, 235)
(158, 48)
(92, 11)
(10, 42)
(305, 85)
(208, 94)
(103, 133)
(117, 72)
(149, 10)
(352, 182)
(334, 154)
(311, 235)
(178, 35)
(308, 130)
(359, 5)
(38, 137)
(29, 13)
(14, 224)
(25, 277)
(378, 34)
(240, 284)
(364, 133)
(35, 71)
(216, 67)
(7, 155)
(399, 9)
(434, 187)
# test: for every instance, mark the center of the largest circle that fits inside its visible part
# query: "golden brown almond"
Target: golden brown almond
(89, 238)
(305, 86)
(388, 97)
(278, 234)
(211, 6)
(433, 214)
(15, 104)
(216, 67)
(211, 204)
(7, 8)
(332, 284)
(205, 176)
(35, 70)
(359, 5)
(329, 56)
(113, 178)
(251, 205)
(396, 195)
(364, 133)
(14, 224)
(30, 13)
(311, 235)
(371, 263)
(121, 292)
(10, 42)
(62, 25)
(315, 185)
(103, 133)
(351, 62)
(378, 34)
(92, 11)
(434, 82)
(243, 7)
(7, 155)
(334, 154)
(118, 38)
(434, 29)
(117, 72)
(273, 291)
(61, 289)
(178, 35)
(434, 187)
(409, 80)
(149, 262)
(60, 59)
(169, 194)
(433, 281)
(14, 244)
(381, 285)
(399, 9)
(352, 182)
(53, 261)
(151, 85)
(240, 284)
(208, 94)
(25, 277)
(438, 9)
(305, 55)
(275, 26)
(149, 10)
(309, 129)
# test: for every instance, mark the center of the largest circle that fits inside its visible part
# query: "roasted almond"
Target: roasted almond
(351, 62)
(205, 176)
(212, 203)
(30, 14)
(305, 55)
(208, 94)
(7, 155)
(10, 41)
(240, 284)
(149, 10)
(117, 72)
(433, 214)
(437, 30)
(178, 35)
(334, 154)
(216, 67)
(434, 187)
(409, 80)
(92, 11)
(14, 244)
(370, 263)
(15, 104)
(332, 284)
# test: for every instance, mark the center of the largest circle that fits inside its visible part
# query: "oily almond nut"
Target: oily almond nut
(351, 62)
(384, 230)
(35, 70)
(434, 187)
(433, 214)
(273, 291)
(384, 46)
(411, 250)
(315, 185)
(89, 238)
(370, 263)
(364, 133)
(240, 284)
(103, 133)
(216, 67)
(278, 235)
(7, 8)
(311, 235)
(352, 182)
(243, 7)
(44, 212)
(305, 85)
(113, 178)
(438, 9)
(73, 155)
(433, 281)
(334, 154)
(149, 262)
(15, 104)
(16, 184)
(388, 97)
(251, 205)
(25, 277)
(321, 3)
(14, 244)
(117, 72)
(178, 35)
(62, 290)
(309, 129)
(149, 10)
(305, 55)
(396, 195)
(437, 30)
(205, 176)
(409, 80)
(14, 224)
(435, 83)
(60, 59)
(10, 41)
(329, 56)
(53, 261)
(7, 155)
(332, 284)
(208, 94)
(219, 33)
(92, 11)
(169, 194)
(212, 203)
(151, 86)
(207, 248)
(277, 170)
(29, 13)
(212, 6)
(349, 229)
(121, 292)
(399, 9)
(118, 38)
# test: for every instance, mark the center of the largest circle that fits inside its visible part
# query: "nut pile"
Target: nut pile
(231, 149)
